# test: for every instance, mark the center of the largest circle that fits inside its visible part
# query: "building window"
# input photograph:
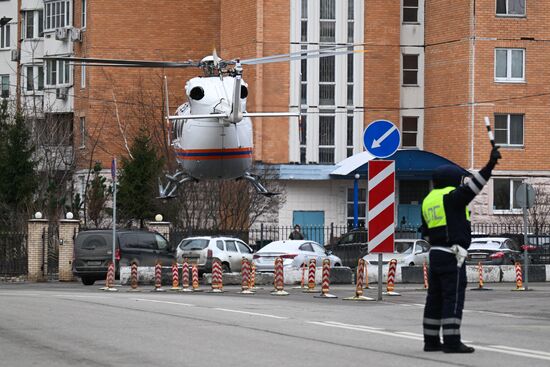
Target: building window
(504, 194)
(509, 64)
(410, 11)
(303, 74)
(327, 80)
(351, 21)
(5, 36)
(362, 212)
(35, 78)
(83, 132)
(57, 129)
(349, 134)
(326, 139)
(83, 76)
(327, 21)
(350, 80)
(58, 72)
(5, 82)
(303, 22)
(58, 14)
(509, 129)
(83, 14)
(409, 131)
(303, 135)
(511, 7)
(410, 69)
(33, 24)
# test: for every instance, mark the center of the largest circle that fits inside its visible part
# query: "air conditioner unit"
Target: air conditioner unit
(15, 55)
(61, 34)
(76, 35)
(61, 93)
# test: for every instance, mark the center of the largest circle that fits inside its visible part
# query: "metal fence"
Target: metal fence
(13, 254)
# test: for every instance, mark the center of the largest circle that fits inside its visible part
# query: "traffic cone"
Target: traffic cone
(245, 277)
(252, 280)
(217, 279)
(279, 279)
(303, 280)
(359, 284)
(134, 278)
(175, 278)
(311, 277)
(519, 278)
(366, 283)
(390, 285)
(195, 278)
(326, 281)
(185, 276)
(425, 271)
(480, 286)
(158, 278)
(110, 280)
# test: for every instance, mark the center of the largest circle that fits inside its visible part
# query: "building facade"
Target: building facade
(436, 69)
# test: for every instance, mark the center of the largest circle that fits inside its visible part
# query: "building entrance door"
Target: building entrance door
(312, 223)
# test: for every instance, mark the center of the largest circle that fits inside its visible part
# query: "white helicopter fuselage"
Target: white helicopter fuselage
(212, 148)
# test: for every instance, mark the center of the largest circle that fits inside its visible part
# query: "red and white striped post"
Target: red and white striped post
(303, 278)
(185, 276)
(325, 284)
(252, 280)
(381, 214)
(217, 277)
(245, 277)
(158, 278)
(425, 271)
(110, 280)
(390, 286)
(195, 278)
(279, 279)
(175, 277)
(480, 286)
(359, 284)
(366, 284)
(134, 278)
(519, 277)
(311, 277)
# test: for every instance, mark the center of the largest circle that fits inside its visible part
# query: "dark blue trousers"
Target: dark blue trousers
(445, 300)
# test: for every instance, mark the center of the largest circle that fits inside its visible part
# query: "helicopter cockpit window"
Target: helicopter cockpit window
(244, 92)
(197, 93)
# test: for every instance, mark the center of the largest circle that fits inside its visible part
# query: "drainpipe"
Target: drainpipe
(472, 80)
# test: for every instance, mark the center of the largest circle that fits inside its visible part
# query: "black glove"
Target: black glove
(495, 155)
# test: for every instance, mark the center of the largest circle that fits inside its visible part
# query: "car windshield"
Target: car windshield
(194, 244)
(403, 247)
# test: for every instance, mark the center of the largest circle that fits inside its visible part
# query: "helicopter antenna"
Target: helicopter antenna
(167, 111)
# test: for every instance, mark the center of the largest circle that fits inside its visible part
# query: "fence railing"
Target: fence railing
(13, 254)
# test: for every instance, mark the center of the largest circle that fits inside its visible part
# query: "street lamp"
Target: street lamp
(4, 21)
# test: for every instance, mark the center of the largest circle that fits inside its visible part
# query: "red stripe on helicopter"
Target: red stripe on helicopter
(205, 154)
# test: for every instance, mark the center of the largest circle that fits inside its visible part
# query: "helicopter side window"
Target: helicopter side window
(197, 93)
(244, 92)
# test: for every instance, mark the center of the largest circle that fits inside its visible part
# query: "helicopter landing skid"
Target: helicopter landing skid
(258, 186)
(174, 181)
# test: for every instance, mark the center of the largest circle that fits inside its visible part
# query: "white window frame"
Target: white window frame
(509, 78)
(511, 209)
(57, 14)
(83, 14)
(416, 132)
(2, 78)
(403, 70)
(5, 36)
(417, 7)
(37, 26)
(82, 122)
(37, 71)
(60, 77)
(508, 129)
(83, 76)
(507, 14)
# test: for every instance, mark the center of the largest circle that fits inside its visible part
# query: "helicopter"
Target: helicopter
(211, 133)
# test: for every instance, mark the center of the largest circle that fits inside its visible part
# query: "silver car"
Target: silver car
(202, 251)
(407, 252)
(294, 253)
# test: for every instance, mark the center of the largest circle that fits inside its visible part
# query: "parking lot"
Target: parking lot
(67, 324)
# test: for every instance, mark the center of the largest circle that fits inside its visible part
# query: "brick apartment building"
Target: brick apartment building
(435, 68)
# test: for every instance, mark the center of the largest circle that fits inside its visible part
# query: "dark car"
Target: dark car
(94, 250)
(493, 251)
(350, 247)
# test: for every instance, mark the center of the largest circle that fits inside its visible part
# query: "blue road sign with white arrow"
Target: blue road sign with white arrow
(382, 138)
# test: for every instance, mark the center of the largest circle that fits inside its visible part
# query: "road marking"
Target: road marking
(166, 302)
(76, 296)
(406, 335)
(19, 294)
(252, 313)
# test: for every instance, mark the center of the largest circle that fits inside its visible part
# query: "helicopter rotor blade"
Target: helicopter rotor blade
(122, 62)
(313, 54)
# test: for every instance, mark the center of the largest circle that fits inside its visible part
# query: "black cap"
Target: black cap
(447, 175)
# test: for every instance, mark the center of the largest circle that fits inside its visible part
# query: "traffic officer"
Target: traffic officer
(446, 225)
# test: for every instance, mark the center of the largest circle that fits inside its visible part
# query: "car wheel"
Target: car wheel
(226, 268)
(88, 281)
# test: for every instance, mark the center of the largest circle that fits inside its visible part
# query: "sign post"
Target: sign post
(382, 139)
(113, 176)
(525, 196)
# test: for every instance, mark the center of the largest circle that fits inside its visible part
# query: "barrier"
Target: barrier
(390, 284)
(480, 286)
(158, 278)
(325, 285)
(303, 279)
(245, 277)
(366, 284)
(175, 278)
(359, 284)
(195, 278)
(134, 278)
(425, 271)
(217, 277)
(519, 277)
(311, 277)
(110, 280)
(252, 280)
(185, 276)
(279, 280)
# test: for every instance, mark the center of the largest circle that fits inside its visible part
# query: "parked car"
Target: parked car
(350, 246)
(407, 252)
(202, 251)
(94, 250)
(493, 251)
(294, 253)
(538, 254)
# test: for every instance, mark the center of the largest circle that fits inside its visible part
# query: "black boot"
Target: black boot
(432, 347)
(460, 348)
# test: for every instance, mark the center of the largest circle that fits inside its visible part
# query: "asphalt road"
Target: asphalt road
(67, 324)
